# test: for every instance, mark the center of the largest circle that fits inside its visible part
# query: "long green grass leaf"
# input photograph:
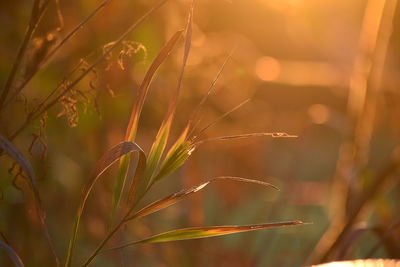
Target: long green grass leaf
(26, 166)
(160, 142)
(174, 159)
(244, 136)
(174, 198)
(106, 161)
(134, 119)
(12, 254)
(144, 87)
(183, 148)
(204, 232)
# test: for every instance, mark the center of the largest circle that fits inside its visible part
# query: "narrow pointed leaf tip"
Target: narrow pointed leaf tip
(243, 136)
(174, 159)
(143, 89)
(131, 130)
(204, 232)
(177, 197)
(159, 144)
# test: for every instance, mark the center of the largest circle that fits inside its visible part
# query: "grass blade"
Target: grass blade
(143, 89)
(12, 254)
(204, 232)
(171, 160)
(134, 119)
(106, 161)
(160, 142)
(174, 198)
(195, 118)
(174, 159)
(243, 136)
(219, 119)
(183, 148)
(16, 155)
(26, 166)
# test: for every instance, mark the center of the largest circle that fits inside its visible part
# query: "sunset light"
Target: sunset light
(238, 133)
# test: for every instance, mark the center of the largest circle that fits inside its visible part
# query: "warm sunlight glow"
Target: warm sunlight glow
(362, 263)
(267, 68)
(319, 113)
(299, 73)
(117, 117)
(281, 5)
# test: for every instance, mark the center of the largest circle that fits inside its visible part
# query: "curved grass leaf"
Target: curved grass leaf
(183, 148)
(204, 232)
(176, 156)
(16, 155)
(174, 198)
(106, 161)
(26, 166)
(143, 89)
(160, 142)
(243, 136)
(174, 159)
(134, 119)
(12, 254)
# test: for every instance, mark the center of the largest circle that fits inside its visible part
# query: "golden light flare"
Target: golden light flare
(267, 68)
(299, 73)
(281, 5)
(362, 263)
(319, 114)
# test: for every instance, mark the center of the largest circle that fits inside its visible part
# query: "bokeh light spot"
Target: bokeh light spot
(319, 113)
(267, 68)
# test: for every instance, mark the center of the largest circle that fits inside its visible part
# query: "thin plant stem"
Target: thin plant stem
(35, 15)
(111, 233)
(104, 242)
(56, 48)
(31, 117)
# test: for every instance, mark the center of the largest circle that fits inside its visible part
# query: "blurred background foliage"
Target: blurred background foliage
(321, 70)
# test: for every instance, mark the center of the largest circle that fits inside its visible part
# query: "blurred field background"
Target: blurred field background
(326, 71)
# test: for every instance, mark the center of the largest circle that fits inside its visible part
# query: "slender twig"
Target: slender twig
(31, 117)
(36, 13)
(111, 233)
(104, 242)
(194, 138)
(195, 118)
(56, 48)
